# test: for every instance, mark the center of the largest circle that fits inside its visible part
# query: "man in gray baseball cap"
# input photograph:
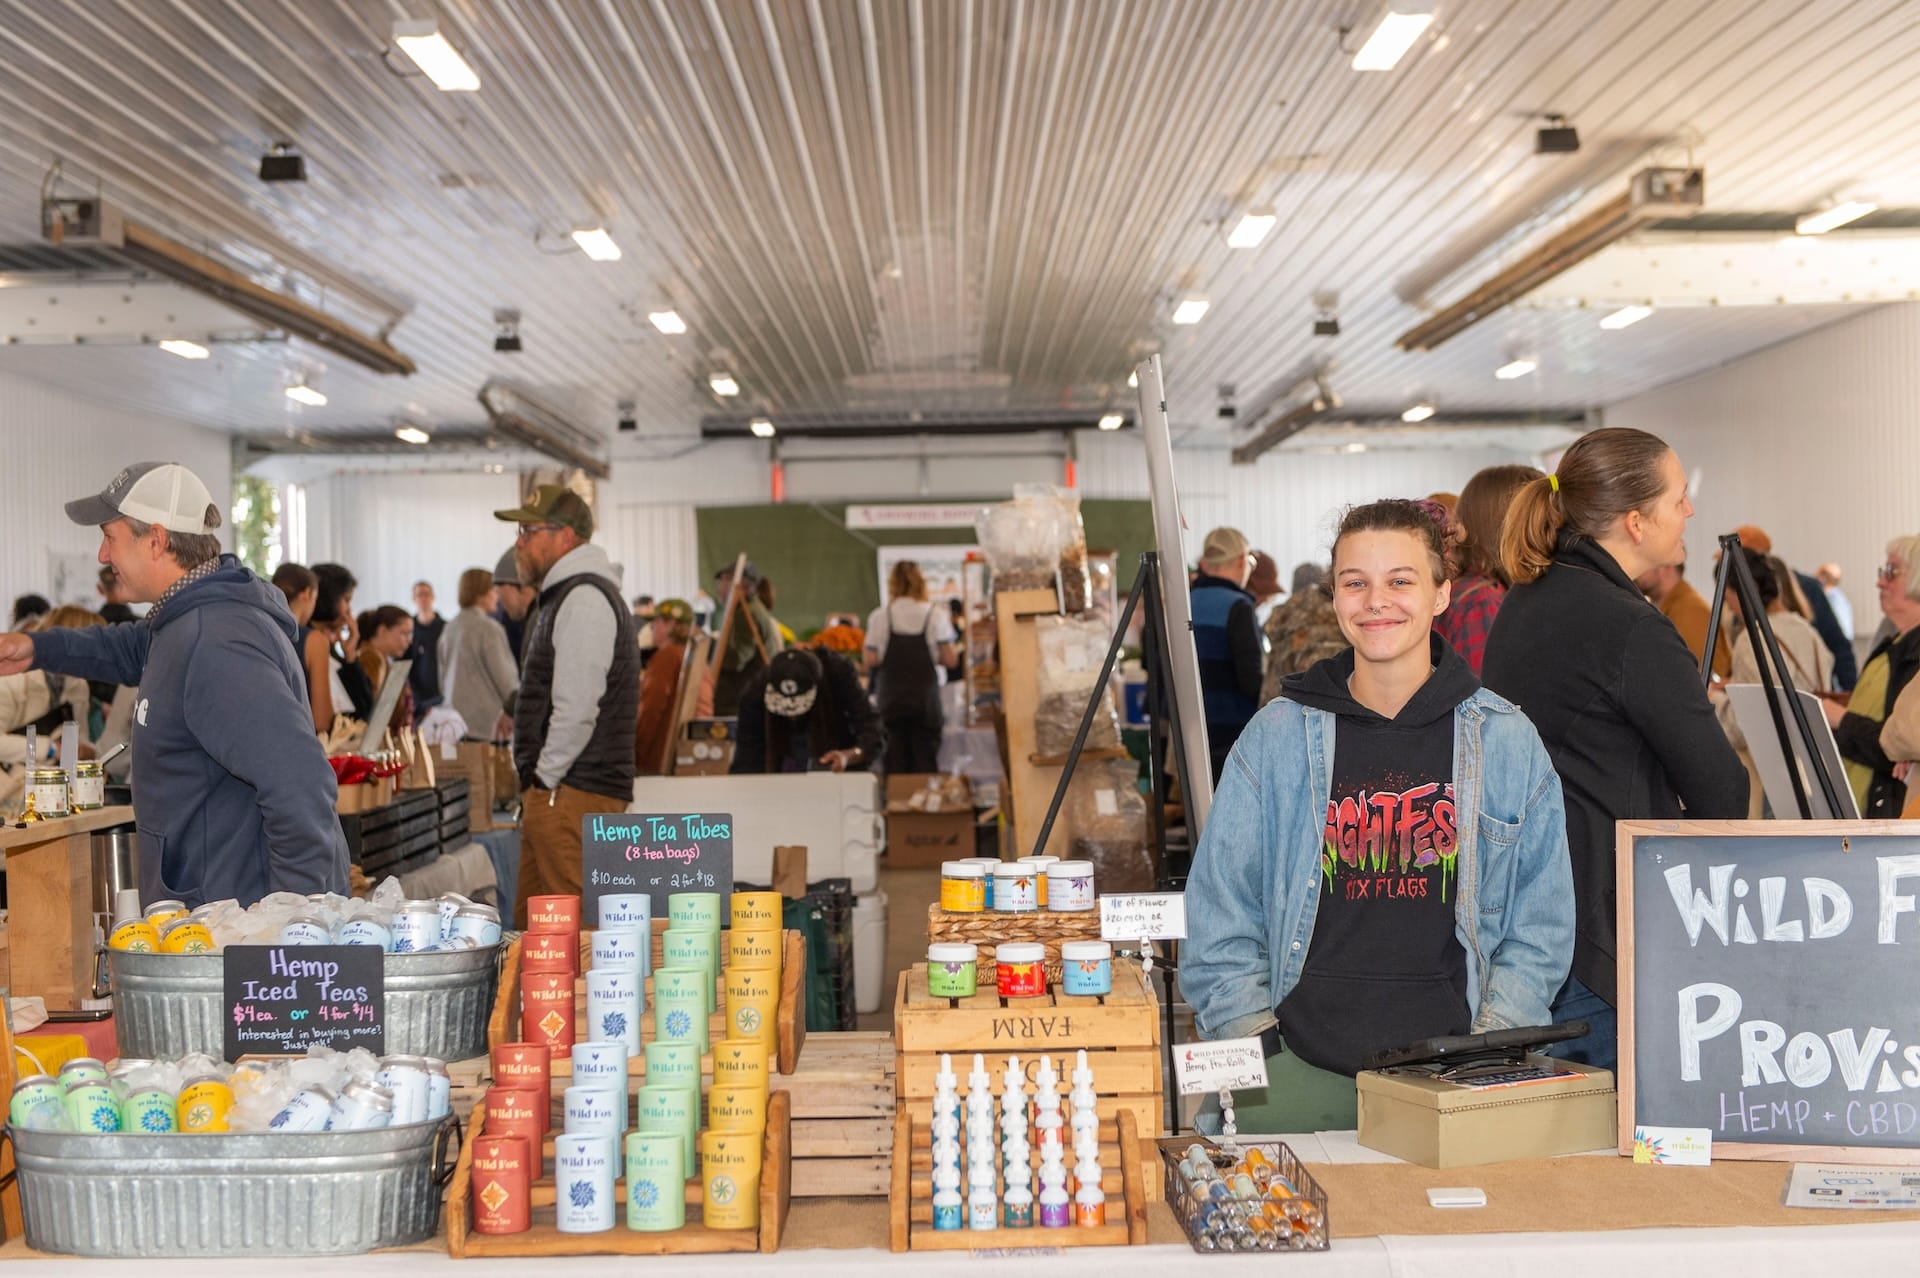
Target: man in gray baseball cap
(233, 795)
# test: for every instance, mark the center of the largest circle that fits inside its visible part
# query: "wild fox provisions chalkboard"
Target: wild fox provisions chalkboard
(1770, 986)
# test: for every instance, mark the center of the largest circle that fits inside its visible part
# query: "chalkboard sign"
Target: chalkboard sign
(283, 999)
(655, 853)
(1767, 985)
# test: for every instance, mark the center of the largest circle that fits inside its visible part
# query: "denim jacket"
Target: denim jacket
(1255, 885)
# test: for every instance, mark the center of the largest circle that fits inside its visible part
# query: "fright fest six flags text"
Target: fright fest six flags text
(1805, 1058)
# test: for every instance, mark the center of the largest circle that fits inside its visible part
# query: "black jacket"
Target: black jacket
(842, 718)
(1858, 736)
(1617, 699)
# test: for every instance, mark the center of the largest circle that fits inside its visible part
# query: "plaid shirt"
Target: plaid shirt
(192, 575)
(1468, 620)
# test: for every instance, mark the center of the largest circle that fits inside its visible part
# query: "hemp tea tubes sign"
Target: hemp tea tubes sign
(655, 853)
(1766, 984)
(283, 999)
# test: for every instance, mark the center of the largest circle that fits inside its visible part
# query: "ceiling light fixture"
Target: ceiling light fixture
(1133, 381)
(411, 434)
(1832, 216)
(1515, 368)
(301, 393)
(1190, 309)
(1626, 315)
(1251, 229)
(1556, 137)
(506, 336)
(723, 384)
(597, 244)
(1391, 40)
(668, 322)
(1112, 421)
(1357, 446)
(761, 427)
(1419, 412)
(1654, 195)
(421, 41)
(184, 349)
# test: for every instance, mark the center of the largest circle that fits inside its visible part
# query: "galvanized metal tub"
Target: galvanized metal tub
(256, 1195)
(437, 1004)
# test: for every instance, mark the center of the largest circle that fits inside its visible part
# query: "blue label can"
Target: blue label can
(305, 929)
(583, 1183)
(366, 931)
(309, 1111)
(416, 927)
(412, 1087)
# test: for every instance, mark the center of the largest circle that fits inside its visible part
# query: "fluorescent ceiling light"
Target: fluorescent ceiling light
(723, 384)
(305, 394)
(668, 322)
(1515, 368)
(1356, 446)
(421, 40)
(1190, 309)
(184, 349)
(1390, 41)
(1133, 381)
(597, 244)
(1626, 315)
(1828, 218)
(1418, 413)
(761, 428)
(1112, 421)
(1251, 229)
(412, 435)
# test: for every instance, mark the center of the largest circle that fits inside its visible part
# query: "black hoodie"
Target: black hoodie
(1384, 967)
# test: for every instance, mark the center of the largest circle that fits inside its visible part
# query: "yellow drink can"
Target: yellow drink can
(135, 936)
(205, 1103)
(184, 936)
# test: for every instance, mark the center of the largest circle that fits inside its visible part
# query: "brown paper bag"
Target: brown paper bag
(506, 781)
(790, 872)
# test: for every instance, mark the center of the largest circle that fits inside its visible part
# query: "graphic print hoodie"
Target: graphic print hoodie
(1384, 967)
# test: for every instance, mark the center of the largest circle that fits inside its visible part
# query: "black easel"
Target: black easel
(1161, 713)
(1733, 567)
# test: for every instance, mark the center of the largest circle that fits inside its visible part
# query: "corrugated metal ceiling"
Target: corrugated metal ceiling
(957, 205)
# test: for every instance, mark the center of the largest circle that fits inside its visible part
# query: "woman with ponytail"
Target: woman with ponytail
(1607, 680)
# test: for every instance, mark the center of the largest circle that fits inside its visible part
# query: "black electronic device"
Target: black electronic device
(1505, 1047)
(283, 164)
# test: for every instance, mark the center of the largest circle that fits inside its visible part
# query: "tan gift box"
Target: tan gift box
(1440, 1124)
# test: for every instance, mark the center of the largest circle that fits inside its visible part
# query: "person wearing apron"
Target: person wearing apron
(906, 687)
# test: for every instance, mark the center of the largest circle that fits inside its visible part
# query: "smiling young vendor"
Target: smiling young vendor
(1386, 858)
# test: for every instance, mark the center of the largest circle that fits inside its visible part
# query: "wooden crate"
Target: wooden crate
(843, 1108)
(504, 1025)
(910, 1201)
(1120, 1032)
(990, 929)
(544, 1239)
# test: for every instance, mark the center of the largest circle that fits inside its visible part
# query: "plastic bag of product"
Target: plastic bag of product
(1072, 651)
(1021, 539)
(1070, 535)
(1108, 816)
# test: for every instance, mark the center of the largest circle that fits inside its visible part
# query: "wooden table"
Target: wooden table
(50, 905)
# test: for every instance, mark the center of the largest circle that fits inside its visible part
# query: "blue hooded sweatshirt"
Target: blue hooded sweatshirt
(233, 796)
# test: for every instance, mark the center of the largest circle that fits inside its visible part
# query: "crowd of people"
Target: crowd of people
(1413, 828)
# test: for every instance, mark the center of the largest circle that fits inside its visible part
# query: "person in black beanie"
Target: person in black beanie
(804, 711)
(1607, 680)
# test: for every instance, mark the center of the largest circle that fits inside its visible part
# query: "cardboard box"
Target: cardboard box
(1438, 1124)
(929, 820)
(705, 748)
(472, 764)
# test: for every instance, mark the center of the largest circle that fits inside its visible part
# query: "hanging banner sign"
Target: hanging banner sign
(949, 515)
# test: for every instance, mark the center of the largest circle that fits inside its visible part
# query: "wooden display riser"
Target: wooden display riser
(1120, 1033)
(910, 1203)
(843, 1108)
(504, 1024)
(544, 1239)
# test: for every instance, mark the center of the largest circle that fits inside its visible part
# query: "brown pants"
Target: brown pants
(550, 859)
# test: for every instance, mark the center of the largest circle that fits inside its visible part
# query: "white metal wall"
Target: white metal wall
(55, 447)
(391, 530)
(1817, 441)
(1287, 502)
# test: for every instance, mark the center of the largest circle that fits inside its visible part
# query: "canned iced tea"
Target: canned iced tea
(151, 1110)
(205, 1102)
(186, 936)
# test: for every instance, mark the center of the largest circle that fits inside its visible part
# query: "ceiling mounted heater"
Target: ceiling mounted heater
(1654, 195)
(91, 222)
(522, 417)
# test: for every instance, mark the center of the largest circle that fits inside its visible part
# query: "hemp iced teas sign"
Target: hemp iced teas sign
(1773, 983)
(283, 999)
(658, 853)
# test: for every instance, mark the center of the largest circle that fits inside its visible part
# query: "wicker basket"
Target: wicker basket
(989, 929)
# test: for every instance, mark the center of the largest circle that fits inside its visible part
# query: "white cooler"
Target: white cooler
(870, 953)
(835, 816)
